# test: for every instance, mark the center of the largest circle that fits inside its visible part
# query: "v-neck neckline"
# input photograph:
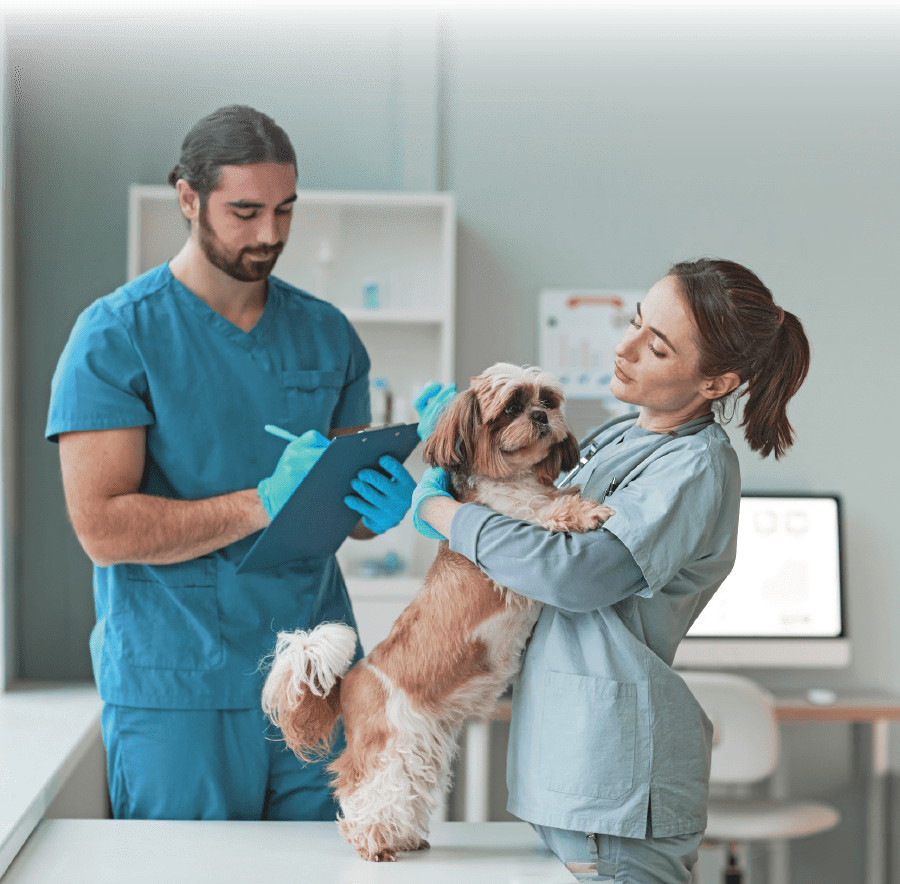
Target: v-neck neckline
(634, 436)
(246, 339)
(634, 433)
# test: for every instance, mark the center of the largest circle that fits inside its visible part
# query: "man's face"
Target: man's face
(245, 224)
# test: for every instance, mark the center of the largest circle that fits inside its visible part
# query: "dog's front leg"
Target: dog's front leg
(573, 513)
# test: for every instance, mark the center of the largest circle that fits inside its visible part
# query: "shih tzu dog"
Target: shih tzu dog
(455, 649)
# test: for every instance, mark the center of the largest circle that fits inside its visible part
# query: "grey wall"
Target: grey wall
(585, 149)
(7, 384)
(597, 155)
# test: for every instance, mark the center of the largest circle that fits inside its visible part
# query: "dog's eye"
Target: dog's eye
(513, 410)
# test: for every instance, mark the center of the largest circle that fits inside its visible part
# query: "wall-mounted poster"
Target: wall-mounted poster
(579, 331)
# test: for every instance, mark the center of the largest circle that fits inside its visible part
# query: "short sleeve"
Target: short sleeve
(353, 408)
(100, 382)
(680, 509)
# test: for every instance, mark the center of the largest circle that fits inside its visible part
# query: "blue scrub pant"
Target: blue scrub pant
(627, 860)
(199, 764)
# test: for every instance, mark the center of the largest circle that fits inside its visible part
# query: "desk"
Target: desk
(868, 709)
(142, 852)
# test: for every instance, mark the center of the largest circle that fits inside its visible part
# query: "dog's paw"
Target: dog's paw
(571, 514)
(383, 856)
(599, 515)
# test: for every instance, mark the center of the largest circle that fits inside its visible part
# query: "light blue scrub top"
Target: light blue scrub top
(605, 736)
(153, 354)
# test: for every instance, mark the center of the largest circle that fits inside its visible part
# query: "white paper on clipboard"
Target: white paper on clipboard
(579, 331)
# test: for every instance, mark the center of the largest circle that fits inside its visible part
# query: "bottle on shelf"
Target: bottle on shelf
(381, 398)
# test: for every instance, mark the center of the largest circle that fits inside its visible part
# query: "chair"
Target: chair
(745, 750)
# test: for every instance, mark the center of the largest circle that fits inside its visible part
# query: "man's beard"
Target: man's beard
(247, 265)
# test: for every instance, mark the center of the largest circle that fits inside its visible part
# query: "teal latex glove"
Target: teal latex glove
(435, 483)
(382, 500)
(297, 460)
(429, 404)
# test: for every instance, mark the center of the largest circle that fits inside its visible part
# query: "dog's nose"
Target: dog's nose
(539, 417)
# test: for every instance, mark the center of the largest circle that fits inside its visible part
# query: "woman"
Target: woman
(606, 740)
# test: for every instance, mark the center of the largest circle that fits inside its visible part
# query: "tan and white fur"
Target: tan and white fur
(454, 650)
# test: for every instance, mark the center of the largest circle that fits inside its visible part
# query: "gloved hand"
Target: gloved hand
(382, 500)
(296, 461)
(429, 404)
(435, 483)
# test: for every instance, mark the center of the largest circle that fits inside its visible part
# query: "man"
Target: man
(158, 404)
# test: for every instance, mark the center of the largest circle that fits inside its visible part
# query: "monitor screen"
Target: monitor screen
(783, 603)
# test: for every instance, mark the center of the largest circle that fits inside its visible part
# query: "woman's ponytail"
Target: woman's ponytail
(742, 330)
(766, 425)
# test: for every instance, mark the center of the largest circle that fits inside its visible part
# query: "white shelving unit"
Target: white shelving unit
(340, 242)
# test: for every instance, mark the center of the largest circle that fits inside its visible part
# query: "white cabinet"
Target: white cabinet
(388, 261)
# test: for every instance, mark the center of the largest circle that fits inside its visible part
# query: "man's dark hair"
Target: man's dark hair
(236, 135)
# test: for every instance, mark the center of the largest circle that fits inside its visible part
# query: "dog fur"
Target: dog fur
(455, 649)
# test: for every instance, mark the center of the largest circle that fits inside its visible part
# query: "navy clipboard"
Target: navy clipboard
(315, 521)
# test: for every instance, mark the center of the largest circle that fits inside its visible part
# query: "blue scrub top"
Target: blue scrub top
(192, 635)
(605, 736)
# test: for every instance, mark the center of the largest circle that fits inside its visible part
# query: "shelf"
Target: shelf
(389, 317)
(378, 602)
(365, 198)
(383, 588)
(343, 242)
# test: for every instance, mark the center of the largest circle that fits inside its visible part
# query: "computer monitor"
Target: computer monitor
(783, 604)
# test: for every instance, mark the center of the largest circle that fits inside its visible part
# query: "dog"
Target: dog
(455, 649)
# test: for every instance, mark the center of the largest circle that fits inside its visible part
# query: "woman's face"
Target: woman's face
(656, 362)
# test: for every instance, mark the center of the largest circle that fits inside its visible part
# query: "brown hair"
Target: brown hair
(742, 330)
(236, 135)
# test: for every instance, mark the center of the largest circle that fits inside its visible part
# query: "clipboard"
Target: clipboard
(315, 521)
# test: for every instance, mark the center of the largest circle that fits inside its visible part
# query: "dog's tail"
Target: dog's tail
(302, 690)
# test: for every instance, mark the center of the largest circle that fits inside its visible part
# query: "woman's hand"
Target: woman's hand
(435, 486)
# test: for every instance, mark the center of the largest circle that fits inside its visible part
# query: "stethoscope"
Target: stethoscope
(594, 447)
(589, 452)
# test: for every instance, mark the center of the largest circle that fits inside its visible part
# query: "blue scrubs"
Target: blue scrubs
(191, 636)
(605, 737)
(226, 764)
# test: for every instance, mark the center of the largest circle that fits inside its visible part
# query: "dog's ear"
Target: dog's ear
(569, 453)
(563, 456)
(491, 395)
(452, 444)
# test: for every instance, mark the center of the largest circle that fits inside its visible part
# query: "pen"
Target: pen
(609, 490)
(283, 434)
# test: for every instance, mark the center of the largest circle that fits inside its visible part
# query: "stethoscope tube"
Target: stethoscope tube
(592, 449)
(589, 452)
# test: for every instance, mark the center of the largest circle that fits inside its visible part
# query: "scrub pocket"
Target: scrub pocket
(167, 616)
(310, 396)
(588, 735)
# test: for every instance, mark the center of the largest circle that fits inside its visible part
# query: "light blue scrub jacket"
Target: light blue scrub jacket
(192, 635)
(605, 736)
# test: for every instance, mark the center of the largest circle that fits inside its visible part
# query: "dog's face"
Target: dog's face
(508, 422)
